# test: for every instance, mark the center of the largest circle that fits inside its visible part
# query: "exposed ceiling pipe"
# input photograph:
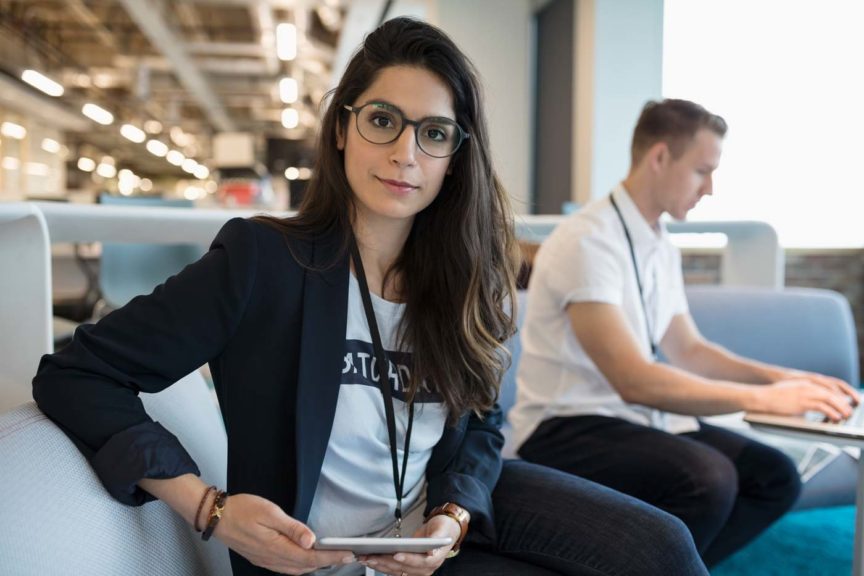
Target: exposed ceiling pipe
(262, 19)
(151, 23)
(83, 13)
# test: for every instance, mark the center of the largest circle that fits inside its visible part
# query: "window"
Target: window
(786, 75)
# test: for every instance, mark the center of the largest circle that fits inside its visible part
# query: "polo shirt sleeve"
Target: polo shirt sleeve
(581, 265)
(677, 293)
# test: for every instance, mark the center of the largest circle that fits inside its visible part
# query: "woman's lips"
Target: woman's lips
(397, 186)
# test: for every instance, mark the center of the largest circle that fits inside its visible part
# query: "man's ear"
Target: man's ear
(340, 137)
(658, 156)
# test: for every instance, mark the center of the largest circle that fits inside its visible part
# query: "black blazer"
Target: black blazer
(273, 332)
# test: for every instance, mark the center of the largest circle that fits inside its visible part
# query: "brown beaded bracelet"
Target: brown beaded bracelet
(201, 505)
(215, 514)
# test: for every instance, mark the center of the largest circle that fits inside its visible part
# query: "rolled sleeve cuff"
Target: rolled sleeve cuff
(146, 450)
(470, 494)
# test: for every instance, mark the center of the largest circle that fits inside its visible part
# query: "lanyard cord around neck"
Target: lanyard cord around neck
(651, 342)
(384, 383)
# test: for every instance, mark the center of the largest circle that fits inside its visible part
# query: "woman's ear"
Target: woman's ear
(340, 137)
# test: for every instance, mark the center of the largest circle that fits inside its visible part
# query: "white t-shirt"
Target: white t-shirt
(587, 259)
(355, 494)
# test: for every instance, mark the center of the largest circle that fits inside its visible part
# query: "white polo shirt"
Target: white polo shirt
(587, 259)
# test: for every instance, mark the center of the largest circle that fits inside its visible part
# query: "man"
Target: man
(606, 294)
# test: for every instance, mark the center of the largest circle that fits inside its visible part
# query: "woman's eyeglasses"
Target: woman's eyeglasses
(381, 123)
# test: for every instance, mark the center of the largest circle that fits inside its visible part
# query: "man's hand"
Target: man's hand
(262, 533)
(796, 395)
(408, 564)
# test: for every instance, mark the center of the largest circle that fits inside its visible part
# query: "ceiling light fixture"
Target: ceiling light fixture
(97, 114)
(12, 130)
(86, 164)
(286, 41)
(290, 118)
(133, 133)
(50, 145)
(157, 148)
(106, 170)
(288, 90)
(175, 157)
(42, 82)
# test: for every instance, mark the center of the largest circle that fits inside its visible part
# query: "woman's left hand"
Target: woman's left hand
(408, 564)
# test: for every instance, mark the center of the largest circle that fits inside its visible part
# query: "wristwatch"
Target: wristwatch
(457, 513)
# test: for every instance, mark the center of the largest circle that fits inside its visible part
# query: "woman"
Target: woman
(405, 232)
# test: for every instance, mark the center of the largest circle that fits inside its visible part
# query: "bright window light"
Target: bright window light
(288, 91)
(133, 133)
(42, 82)
(12, 130)
(97, 114)
(792, 155)
(286, 41)
(50, 145)
(290, 118)
(157, 148)
(86, 164)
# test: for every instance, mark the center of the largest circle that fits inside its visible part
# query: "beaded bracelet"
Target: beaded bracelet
(215, 514)
(201, 506)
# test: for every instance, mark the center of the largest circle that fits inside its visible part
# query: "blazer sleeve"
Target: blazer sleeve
(471, 475)
(90, 388)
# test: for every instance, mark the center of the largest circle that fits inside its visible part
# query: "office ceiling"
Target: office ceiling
(196, 66)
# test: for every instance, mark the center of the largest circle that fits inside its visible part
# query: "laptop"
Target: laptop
(813, 422)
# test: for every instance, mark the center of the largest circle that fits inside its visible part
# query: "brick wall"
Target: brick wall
(840, 270)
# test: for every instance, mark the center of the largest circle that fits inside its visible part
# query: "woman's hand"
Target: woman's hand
(827, 382)
(408, 564)
(262, 533)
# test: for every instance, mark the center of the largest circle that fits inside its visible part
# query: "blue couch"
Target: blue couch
(804, 328)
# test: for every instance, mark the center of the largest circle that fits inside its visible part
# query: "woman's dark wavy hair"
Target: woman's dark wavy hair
(457, 269)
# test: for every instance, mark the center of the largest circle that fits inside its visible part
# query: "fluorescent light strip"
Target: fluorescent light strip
(42, 82)
(97, 114)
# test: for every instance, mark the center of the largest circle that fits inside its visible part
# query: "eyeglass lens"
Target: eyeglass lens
(382, 124)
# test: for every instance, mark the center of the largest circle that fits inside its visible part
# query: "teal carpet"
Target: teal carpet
(815, 542)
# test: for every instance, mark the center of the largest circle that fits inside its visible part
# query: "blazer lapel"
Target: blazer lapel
(325, 313)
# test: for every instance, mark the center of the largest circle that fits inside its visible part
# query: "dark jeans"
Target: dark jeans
(549, 522)
(727, 488)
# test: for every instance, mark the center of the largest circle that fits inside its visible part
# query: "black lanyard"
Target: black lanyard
(638, 278)
(384, 384)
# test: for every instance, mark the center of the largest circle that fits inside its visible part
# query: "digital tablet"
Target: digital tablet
(362, 546)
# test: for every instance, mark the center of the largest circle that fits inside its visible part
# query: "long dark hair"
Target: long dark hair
(458, 266)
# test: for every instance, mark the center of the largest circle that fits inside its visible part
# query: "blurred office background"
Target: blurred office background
(216, 103)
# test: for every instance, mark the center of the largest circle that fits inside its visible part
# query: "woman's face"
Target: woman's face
(393, 182)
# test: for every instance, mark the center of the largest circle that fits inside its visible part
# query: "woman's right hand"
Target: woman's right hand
(261, 532)
(794, 396)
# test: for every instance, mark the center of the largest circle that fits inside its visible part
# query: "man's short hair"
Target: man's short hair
(674, 122)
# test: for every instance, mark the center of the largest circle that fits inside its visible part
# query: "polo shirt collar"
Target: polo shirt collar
(640, 231)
